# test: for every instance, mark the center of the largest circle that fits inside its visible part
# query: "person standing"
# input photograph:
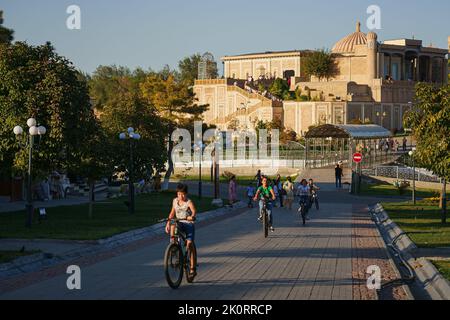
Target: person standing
(250, 194)
(338, 174)
(232, 190)
(258, 179)
(280, 189)
(288, 188)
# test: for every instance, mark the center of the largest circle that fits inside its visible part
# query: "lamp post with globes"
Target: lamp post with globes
(34, 131)
(199, 146)
(382, 115)
(411, 154)
(131, 136)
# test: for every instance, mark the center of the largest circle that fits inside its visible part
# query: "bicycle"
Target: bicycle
(265, 218)
(177, 258)
(303, 209)
(314, 200)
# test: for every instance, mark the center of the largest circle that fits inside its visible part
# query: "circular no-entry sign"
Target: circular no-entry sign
(357, 157)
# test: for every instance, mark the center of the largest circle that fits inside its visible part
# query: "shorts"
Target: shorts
(188, 229)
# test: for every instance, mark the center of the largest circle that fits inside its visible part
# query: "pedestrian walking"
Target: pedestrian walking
(288, 188)
(338, 172)
(250, 192)
(232, 188)
(405, 142)
(258, 178)
(280, 189)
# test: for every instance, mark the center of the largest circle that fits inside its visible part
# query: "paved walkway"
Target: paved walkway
(325, 260)
(236, 262)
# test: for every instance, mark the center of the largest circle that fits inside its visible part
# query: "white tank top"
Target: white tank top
(182, 211)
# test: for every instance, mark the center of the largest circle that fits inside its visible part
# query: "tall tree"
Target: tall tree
(175, 103)
(6, 35)
(37, 82)
(320, 63)
(189, 69)
(279, 88)
(120, 104)
(430, 123)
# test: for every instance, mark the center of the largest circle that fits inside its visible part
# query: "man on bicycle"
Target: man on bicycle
(313, 189)
(183, 209)
(304, 193)
(265, 192)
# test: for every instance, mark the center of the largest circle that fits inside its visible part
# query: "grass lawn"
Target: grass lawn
(423, 221)
(391, 190)
(443, 267)
(110, 217)
(7, 256)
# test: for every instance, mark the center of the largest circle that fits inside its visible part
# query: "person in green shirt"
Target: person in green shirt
(265, 192)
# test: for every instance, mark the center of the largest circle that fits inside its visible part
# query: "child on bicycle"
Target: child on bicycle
(313, 189)
(303, 192)
(265, 192)
(183, 209)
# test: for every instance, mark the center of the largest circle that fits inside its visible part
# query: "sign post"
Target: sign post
(357, 158)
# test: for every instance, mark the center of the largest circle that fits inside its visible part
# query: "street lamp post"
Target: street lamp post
(200, 146)
(382, 115)
(34, 131)
(217, 201)
(411, 154)
(131, 136)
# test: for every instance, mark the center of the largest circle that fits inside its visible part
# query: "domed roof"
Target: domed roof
(347, 44)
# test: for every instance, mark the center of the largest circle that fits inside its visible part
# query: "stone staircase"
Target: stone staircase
(82, 189)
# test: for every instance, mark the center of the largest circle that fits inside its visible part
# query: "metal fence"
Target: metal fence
(402, 173)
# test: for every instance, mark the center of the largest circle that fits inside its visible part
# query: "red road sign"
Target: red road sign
(357, 157)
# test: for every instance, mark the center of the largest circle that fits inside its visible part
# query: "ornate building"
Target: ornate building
(373, 82)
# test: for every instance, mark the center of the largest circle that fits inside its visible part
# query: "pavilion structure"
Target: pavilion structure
(328, 144)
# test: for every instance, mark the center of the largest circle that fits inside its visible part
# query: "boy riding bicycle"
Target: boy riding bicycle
(184, 210)
(265, 192)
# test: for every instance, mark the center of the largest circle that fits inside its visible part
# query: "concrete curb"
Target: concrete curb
(428, 278)
(42, 260)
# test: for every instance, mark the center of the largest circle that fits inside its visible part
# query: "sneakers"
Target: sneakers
(272, 229)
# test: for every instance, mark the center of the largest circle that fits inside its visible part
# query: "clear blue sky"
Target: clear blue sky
(152, 33)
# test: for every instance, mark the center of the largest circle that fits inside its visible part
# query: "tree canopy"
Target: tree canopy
(6, 35)
(430, 124)
(36, 82)
(320, 63)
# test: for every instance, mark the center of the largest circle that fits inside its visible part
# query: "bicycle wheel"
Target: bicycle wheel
(265, 224)
(191, 254)
(173, 265)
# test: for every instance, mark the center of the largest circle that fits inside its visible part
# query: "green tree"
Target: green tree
(188, 68)
(37, 82)
(279, 88)
(430, 124)
(175, 104)
(120, 104)
(320, 63)
(6, 35)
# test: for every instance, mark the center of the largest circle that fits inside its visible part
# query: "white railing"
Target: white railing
(402, 173)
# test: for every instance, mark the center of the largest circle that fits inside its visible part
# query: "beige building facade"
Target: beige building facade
(373, 82)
